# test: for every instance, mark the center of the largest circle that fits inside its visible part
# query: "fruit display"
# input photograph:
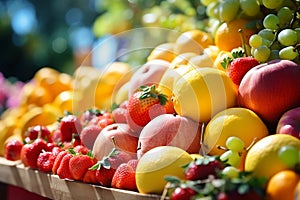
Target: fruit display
(211, 114)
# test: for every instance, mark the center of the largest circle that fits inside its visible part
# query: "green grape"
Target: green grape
(289, 155)
(288, 53)
(262, 53)
(228, 10)
(212, 10)
(207, 2)
(231, 157)
(288, 37)
(235, 144)
(255, 40)
(267, 34)
(271, 21)
(276, 46)
(272, 4)
(285, 15)
(250, 7)
(274, 54)
(266, 42)
(230, 172)
(298, 34)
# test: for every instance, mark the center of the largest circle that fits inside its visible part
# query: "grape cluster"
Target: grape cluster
(280, 36)
(290, 156)
(232, 156)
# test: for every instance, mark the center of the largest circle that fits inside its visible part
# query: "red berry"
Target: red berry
(79, 165)
(182, 194)
(45, 161)
(39, 131)
(124, 177)
(239, 67)
(70, 126)
(63, 170)
(13, 150)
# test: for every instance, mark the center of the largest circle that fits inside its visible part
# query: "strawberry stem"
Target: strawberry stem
(151, 91)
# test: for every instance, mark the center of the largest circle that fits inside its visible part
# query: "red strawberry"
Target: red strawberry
(30, 152)
(63, 170)
(90, 177)
(146, 104)
(89, 134)
(45, 161)
(39, 131)
(79, 165)
(239, 67)
(106, 168)
(58, 160)
(80, 149)
(13, 150)
(124, 177)
(201, 168)
(182, 193)
(70, 127)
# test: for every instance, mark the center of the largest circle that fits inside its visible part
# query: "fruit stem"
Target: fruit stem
(243, 41)
(252, 143)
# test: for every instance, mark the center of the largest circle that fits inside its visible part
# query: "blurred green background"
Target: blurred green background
(60, 34)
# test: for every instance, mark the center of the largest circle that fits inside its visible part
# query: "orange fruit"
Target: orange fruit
(297, 192)
(281, 185)
(163, 51)
(193, 41)
(64, 101)
(33, 94)
(182, 59)
(227, 36)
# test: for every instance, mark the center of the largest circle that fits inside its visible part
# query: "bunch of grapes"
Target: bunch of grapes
(280, 35)
(290, 156)
(234, 147)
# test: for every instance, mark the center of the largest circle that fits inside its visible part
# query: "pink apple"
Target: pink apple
(148, 74)
(289, 123)
(170, 130)
(89, 134)
(123, 137)
(271, 89)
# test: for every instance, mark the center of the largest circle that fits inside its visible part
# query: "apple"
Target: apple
(170, 130)
(270, 89)
(125, 140)
(148, 74)
(289, 123)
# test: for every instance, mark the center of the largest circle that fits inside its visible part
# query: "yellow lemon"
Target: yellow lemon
(64, 101)
(163, 51)
(33, 94)
(212, 51)
(182, 59)
(157, 163)
(240, 122)
(203, 92)
(262, 159)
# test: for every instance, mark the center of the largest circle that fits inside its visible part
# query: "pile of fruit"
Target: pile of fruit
(213, 114)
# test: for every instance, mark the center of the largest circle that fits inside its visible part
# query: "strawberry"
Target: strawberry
(181, 193)
(39, 131)
(90, 177)
(45, 161)
(70, 127)
(239, 67)
(124, 177)
(80, 149)
(201, 168)
(30, 152)
(13, 150)
(58, 160)
(79, 165)
(146, 104)
(63, 170)
(105, 169)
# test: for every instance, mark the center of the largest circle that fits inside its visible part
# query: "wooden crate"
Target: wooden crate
(51, 186)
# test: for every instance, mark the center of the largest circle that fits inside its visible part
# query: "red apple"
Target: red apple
(270, 89)
(148, 74)
(170, 130)
(289, 123)
(125, 140)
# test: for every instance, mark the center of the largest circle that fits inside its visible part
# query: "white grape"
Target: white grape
(288, 53)
(255, 40)
(231, 157)
(274, 54)
(298, 34)
(230, 172)
(207, 2)
(288, 37)
(271, 21)
(250, 7)
(212, 10)
(267, 34)
(262, 53)
(228, 9)
(272, 4)
(288, 155)
(235, 144)
(285, 15)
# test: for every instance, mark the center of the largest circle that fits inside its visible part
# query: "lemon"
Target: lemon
(157, 163)
(203, 92)
(163, 51)
(240, 122)
(262, 159)
(64, 101)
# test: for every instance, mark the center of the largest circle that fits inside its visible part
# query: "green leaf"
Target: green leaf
(172, 179)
